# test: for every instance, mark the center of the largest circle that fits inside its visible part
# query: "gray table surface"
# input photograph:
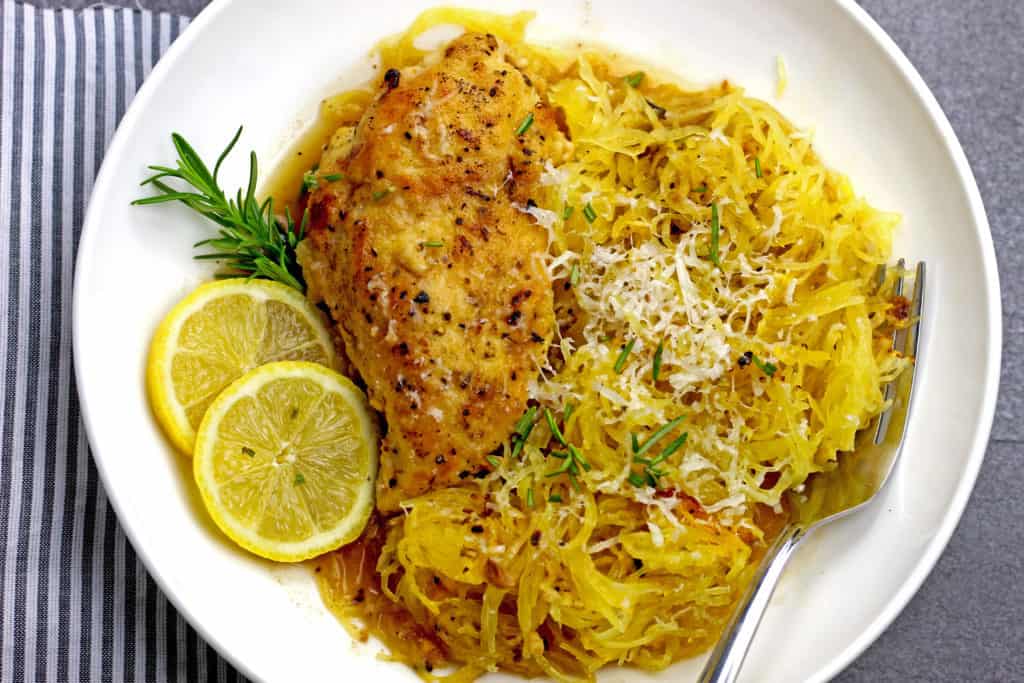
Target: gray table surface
(965, 623)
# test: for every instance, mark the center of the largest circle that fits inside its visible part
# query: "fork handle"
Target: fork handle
(726, 659)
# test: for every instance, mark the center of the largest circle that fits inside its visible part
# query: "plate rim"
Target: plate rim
(958, 503)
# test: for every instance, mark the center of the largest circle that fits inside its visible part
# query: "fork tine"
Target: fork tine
(898, 342)
(916, 309)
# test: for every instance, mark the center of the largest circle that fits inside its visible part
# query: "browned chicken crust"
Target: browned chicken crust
(429, 264)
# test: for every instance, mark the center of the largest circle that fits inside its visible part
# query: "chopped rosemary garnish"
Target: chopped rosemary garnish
(659, 110)
(554, 498)
(525, 125)
(380, 194)
(767, 368)
(567, 212)
(522, 430)
(573, 463)
(299, 479)
(309, 181)
(635, 79)
(715, 230)
(574, 275)
(495, 463)
(757, 167)
(634, 442)
(657, 436)
(248, 451)
(620, 362)
(578, 457)
(433, 243)
(529, 497)
(334, 177)
(700, 189)
(566, 467)
(575, 484)
(555, 431)
(676, 444)
(525, 423)
(251, 241)
(656, 366)
(651, 473)
(589, 213)
(567, 412)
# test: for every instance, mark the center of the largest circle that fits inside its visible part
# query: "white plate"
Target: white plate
(266, 63)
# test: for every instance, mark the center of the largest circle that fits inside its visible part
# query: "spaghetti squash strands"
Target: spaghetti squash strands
(721, 340)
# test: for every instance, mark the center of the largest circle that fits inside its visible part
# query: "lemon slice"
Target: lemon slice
(218, 333)
(286, 459)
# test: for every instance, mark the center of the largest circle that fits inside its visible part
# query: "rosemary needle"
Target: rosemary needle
(765, 367)
(555, 431)
(715, 234)
(620, 362)
(525, 125)
(657, 436)
(656, 366)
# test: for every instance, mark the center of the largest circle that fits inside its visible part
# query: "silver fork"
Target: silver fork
(851, 486)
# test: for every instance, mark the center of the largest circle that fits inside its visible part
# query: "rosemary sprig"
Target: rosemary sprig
(251, 241)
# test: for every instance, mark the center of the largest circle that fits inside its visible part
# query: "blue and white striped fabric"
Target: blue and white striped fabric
(76, 604)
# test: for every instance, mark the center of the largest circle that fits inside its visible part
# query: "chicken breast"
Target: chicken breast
(427, 253)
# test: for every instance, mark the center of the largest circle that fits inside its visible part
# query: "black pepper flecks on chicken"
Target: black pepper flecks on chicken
(430, 265)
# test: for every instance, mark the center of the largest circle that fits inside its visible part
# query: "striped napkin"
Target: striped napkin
(76, 604)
